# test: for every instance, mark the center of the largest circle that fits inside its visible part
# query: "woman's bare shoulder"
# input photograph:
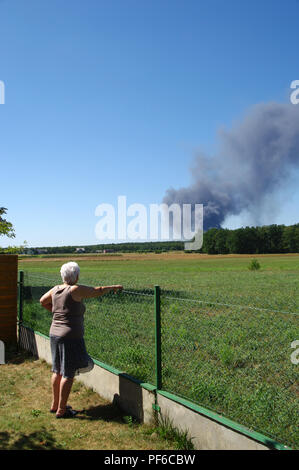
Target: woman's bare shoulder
(78, 288)
(81, 286)
(77, 292)
(80, 292)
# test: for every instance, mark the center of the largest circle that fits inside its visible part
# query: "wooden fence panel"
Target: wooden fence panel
(8, 298)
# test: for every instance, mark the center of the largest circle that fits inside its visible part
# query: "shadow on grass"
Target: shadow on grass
(14, 354)
(110, 412)
(38, 440)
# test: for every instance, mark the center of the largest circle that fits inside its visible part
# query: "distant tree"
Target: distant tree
(16, 250)
(250, 240)
(236, 241)
(221, 241)
(209, 241)
(264, 242)
(12, 250)
(6, 228)
(276, 238)
(290, 239)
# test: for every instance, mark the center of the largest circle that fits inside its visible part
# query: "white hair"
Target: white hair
(70, 272)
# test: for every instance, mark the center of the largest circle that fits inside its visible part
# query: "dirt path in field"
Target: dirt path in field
(150, 256)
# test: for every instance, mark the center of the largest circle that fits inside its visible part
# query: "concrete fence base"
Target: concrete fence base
(206, 434)
(208, 430)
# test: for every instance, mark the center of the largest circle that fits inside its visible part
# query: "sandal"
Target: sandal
(68, 414)
(68, 407)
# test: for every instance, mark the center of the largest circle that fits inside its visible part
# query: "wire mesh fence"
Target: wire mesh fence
(235, 361)
(119, 331)
(230, 358)
(119, 328)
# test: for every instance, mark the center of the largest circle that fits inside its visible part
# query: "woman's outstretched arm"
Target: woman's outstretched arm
(86, 292)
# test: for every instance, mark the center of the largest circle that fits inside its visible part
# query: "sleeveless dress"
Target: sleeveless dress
(69, 355)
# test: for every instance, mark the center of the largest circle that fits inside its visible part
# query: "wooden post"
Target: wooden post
(8, 298)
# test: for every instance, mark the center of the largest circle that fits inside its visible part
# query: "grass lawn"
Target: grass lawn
(26, 423)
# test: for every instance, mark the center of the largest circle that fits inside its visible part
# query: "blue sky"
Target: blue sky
(109, 98)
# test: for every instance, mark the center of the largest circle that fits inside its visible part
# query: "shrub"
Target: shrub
(254, 265)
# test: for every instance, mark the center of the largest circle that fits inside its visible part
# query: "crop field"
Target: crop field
(226, 331)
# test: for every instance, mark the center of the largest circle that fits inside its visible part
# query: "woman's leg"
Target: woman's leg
(65, 389)
(56, 378)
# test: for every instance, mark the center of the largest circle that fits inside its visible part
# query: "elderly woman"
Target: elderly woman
(69, 356)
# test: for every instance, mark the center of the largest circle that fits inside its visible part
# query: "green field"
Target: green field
(226, 331)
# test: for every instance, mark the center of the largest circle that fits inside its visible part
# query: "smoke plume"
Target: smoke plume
(256, 158)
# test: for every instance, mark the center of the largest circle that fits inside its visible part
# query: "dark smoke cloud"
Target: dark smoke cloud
(255, 159)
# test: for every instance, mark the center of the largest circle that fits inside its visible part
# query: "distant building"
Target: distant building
(108, 251)
(80, 250)
(41, 251)
(29, 251)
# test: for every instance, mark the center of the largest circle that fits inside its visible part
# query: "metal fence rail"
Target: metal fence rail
(232, 359)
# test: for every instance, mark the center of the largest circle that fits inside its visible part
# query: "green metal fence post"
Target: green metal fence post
(20, 313)
(158, 338)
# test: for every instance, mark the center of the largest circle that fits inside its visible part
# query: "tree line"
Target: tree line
(141, 247)
(246, 240)
(252, 240)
